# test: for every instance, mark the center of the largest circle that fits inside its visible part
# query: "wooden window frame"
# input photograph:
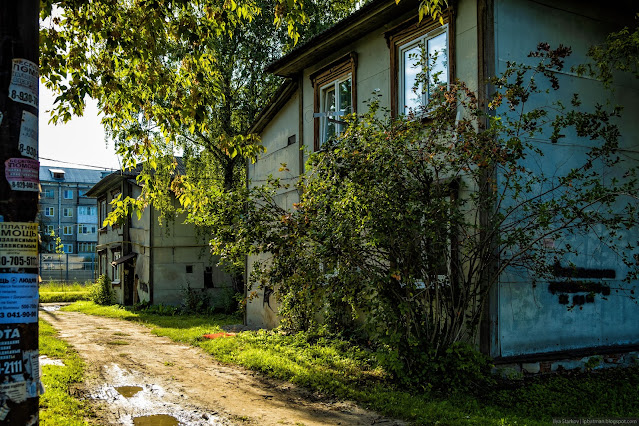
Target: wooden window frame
(408, 32)
(336, 70)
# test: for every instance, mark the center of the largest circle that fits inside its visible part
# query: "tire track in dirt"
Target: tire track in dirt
(185, 382)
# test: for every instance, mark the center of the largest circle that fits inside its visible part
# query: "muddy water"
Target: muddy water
(140, 402)
(128, 391)
(155, 420)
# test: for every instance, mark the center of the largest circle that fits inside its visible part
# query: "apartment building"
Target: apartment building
(65, 210)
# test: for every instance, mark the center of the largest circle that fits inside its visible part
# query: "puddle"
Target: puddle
(152, 403)
(128, 391)
(51, 308)
(155, 420)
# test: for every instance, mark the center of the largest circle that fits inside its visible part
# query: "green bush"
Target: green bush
(460, 369)
(101, 292)
(195, 301)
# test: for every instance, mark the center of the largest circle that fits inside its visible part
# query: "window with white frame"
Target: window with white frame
(334, 92)
(50, 229)
(67, 230)
(49, 193)
(115, 277)
(86, 247)
(422, 66)
(84, 228)
(336, 101)
(68, 248)
(67, 194)
(67, 212)
(49, 211)
(87, 210)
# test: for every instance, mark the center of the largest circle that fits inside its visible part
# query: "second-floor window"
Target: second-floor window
(423, 70)
(67, 230)
(67, 212)
(50, 229)
(335, 96)
(103, 212)
(336, 102)
(67, 194)
(49, 211)
(68, 248)
(49, 193)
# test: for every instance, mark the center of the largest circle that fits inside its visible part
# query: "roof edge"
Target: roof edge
(277, 101)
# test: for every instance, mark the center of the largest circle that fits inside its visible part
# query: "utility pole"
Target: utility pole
(19, 190)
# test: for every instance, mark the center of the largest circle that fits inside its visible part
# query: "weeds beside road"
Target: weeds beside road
(57, 406)
(335, 367)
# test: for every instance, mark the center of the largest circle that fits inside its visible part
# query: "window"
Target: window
(67, 212)
(336, 101)
(67, 230)
(68, 248)
(423, 70)
(84, 228)
(49, 193)
(67, 194)
(115, 270)
(49, 211)
(103, 212)
(50, 229)
(86, 247)
(208, 277)
(82, 193)
(87, 210)
(102, 262)
(419, 65)
(335, 96)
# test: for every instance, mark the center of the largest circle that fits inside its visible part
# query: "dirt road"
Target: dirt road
(161, 377)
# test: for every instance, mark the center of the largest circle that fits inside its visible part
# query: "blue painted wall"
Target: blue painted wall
(530, 319)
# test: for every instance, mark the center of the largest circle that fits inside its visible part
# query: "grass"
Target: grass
(339, 368)
(57, 406)
(51, 292)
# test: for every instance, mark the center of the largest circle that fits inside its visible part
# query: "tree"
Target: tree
(174, 77)
(404, 225)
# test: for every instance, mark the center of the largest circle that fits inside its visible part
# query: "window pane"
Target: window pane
(329, 106)
(438, 62)
(345, 97)
(412, 89)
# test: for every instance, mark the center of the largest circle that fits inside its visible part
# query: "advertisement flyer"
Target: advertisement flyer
(24, 82)
(18, 298)
(22, 174)
(18, 245)
(28, 142)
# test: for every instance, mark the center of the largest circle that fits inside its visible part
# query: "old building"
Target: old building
(373, 51)
(149, 261)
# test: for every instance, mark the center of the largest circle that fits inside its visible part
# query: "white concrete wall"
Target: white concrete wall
(372, 74)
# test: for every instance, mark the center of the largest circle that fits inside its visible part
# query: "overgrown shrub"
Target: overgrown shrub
(102, 292)
(194, 301)
(403, 225)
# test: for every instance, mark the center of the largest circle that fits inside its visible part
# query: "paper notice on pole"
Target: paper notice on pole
(28, 142)
(18, 245)
(23, 174)
(24, 82)
(18, 298)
